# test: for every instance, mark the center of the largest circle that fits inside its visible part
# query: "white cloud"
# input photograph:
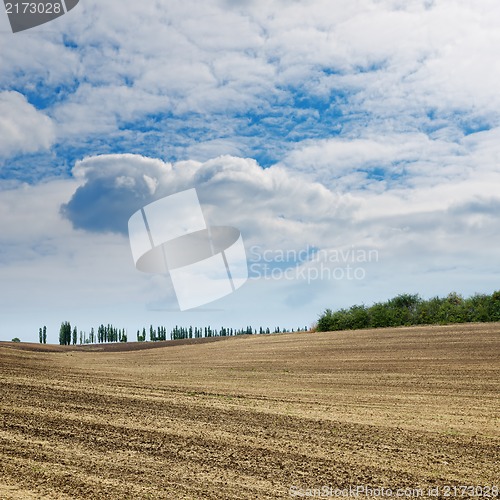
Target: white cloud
(270, 205)
(23, 129)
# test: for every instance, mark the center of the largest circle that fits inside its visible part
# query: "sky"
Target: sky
(354, 144)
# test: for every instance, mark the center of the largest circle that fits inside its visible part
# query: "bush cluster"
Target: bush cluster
(411, 309)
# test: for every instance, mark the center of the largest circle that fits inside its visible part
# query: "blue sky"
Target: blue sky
(332, 125)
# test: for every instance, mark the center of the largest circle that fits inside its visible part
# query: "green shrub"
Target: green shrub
(410, 309)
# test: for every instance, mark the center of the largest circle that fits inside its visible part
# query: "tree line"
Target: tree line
(402, 310)
(109, 333)
(105, 333)
(411, 309)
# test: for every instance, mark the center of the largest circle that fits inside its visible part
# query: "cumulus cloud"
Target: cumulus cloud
(270, 206)
(23, 129)
(113, 188)
(280, 208)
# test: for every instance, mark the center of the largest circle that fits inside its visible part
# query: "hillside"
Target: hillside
(255, 416)
(107, 347)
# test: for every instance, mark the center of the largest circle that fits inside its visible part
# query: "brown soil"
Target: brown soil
(254, 416)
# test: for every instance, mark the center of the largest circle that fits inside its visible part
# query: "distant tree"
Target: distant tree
(380, 315)
(61, 334)
(325, 321)
(16, 339)
(40, 335)
(403, 309)
(75, 335)
(360, 317)
(44, 335)
(494, 306)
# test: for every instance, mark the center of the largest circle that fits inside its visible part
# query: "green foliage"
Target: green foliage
(359, 317)
(65, 333)
(411, 309)
(380, 315)
(16, 339)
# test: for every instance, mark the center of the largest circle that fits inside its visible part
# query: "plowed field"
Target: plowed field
(277, 416)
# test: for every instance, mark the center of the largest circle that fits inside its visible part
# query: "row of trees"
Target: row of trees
(411, 309)
(181, 332)
(108, 333)
(105, 333)
(198, 332)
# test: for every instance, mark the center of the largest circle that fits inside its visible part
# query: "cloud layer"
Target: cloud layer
(279, 208)
(368, 123)
(259, 79)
